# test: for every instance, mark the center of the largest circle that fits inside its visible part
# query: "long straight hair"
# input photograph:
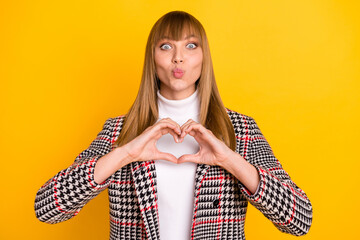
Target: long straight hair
(144, 111)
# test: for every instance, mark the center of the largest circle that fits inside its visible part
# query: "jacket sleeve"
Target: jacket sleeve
(64, 195)
(277, 196)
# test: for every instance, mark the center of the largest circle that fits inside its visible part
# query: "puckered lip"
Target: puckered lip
(177, 70)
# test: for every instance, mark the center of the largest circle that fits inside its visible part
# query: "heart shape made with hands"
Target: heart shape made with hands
(211, 151)
(165, 148)
(178, 145)
(209, 146)
(185, 129)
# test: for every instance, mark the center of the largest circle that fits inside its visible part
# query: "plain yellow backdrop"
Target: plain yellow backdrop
(66, 66)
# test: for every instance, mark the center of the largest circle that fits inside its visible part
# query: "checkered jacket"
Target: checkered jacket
(220, 200)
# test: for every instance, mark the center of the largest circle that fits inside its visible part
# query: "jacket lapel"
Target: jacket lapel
(201, 171)
(144, 177)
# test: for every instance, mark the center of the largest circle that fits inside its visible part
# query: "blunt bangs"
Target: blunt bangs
(177, 25)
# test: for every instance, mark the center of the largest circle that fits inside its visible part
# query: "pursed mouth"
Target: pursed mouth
(178, 70)
(178, 73)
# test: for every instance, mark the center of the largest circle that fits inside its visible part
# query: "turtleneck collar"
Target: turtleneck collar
(179, 110)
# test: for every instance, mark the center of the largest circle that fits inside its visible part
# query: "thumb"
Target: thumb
(188, 158)
(167, 156)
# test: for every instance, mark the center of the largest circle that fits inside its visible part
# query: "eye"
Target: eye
(165, 46)
(191, 45)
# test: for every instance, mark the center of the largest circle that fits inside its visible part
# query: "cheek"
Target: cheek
(197, 63)
(160, 62)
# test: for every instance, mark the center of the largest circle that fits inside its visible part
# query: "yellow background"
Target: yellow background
(66, 66)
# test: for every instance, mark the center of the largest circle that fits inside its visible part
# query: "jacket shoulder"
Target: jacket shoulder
(236, 116)
(114, 122)
(113, 126)
(243, 124)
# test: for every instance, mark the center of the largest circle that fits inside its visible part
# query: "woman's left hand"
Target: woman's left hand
(212, 151)
(215, 152)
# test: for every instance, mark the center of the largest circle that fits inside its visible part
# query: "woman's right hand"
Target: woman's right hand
(143, 147)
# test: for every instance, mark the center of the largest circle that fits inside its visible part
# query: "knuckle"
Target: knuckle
(164, 120)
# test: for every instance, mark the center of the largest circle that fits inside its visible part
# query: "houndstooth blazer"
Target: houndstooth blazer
(220, 200)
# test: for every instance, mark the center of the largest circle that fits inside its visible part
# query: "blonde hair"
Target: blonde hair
(144, 111)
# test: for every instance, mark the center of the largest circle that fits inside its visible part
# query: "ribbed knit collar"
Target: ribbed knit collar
(179, 110)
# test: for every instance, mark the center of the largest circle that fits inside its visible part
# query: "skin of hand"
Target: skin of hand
(143, 147)
(212, 151)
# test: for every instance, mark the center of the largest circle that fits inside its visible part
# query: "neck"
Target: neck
(176, 95)
(179, 110)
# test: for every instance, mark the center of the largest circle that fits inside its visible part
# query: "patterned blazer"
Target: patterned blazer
(220, 200)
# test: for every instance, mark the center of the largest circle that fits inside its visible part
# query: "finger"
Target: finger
(185, 126)
(187, 123)
(192, 129)
(174, 134)
(177, 136)
(188, 158)
(166, 130)
(169, 120)
(167, 127)
(167, 156)
(201, 134)
(186, 129)
(155, 132)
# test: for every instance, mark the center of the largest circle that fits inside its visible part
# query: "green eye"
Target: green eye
(165, 46)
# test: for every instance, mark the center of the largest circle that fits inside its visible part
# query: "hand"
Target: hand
(143, 147)
(212, 151)
(215, 152)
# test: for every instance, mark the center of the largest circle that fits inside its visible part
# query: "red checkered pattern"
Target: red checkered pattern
(220, 200)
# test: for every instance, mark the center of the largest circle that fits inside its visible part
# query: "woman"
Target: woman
(179, 165)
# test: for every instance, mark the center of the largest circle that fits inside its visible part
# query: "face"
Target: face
(178, 66)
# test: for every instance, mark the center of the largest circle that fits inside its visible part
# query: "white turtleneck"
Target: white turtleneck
(175, 182)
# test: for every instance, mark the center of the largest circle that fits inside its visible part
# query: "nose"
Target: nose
(178, 57)
(177, 60)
